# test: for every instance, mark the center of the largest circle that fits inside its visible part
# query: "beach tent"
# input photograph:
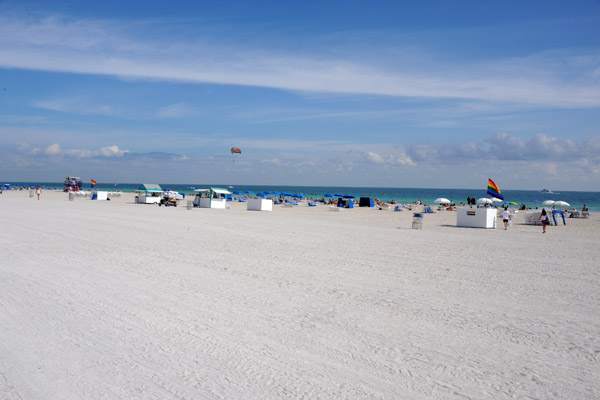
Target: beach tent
(212, 198)
(365, 202)
(149, 193)
(345, 203)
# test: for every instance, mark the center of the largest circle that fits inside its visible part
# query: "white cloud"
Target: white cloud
(53, 149)
(405, 160)
(508, 147)
(112, 151)
(80, 153)
(272, 161)
(107, 48)
(375, 158)
(176, 110)
(75, 105)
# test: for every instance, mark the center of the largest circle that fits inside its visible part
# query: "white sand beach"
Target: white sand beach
(116, 300)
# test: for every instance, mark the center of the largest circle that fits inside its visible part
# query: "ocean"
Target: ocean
(530, 198)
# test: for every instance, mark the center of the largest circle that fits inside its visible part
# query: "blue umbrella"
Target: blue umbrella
(328, 195)
(261, 195)
(266, 192)
(249, 192)
(237, 192)
(338, 195)
(349, 196)
(298, 195)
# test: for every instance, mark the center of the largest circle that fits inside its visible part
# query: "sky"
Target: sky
(316, 93)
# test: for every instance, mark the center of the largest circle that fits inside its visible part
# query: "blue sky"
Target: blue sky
(352, 93)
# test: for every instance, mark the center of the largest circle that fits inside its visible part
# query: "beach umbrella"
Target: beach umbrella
(266, 192)
(249, 192)
(298, 195)
(496, 200)
(274, 192)
(328, 195)
(548, 202)
(513, 203)
(484, 200)
(338, 195)
(442, 200)
(561, 203)
(261, 195)
(349, 196)
(237, 192)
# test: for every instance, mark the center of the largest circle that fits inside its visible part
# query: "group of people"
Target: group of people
(507, 219)
(471, 201)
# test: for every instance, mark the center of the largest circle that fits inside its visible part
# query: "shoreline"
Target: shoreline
(408, 196)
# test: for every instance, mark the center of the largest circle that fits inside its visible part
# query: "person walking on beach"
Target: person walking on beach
(506, 217)
(38, 191)
(545, 221)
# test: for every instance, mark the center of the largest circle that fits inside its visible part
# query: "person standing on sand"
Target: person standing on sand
(545, 220)
(38, 191)
(506, 217)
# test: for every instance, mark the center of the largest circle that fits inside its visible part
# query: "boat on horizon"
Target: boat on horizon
(546, 191)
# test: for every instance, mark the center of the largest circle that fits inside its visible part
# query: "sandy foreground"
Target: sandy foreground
(115, 300)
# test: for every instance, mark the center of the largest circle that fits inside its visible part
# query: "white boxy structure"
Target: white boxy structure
(149, 193)
(99, 195)
(212, 198)
(260, 205)
(483, 217)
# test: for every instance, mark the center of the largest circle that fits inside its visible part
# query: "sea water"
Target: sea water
(531, 198)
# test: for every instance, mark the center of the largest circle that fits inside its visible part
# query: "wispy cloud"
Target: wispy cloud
(74, 105)
(176, 110)
(563, 79)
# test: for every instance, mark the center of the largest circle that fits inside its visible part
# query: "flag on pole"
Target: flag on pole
(93, 183)
(493, 190)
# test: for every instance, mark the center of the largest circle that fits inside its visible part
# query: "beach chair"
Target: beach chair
(399, 208)
(554, 213)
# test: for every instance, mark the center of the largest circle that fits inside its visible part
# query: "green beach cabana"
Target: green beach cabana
(149, 193)
(212, 198)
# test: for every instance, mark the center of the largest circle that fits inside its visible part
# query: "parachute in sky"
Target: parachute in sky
(235, 150)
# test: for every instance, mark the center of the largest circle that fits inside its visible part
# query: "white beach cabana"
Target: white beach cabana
(260, 204)
(212, 198)
(149, 193)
